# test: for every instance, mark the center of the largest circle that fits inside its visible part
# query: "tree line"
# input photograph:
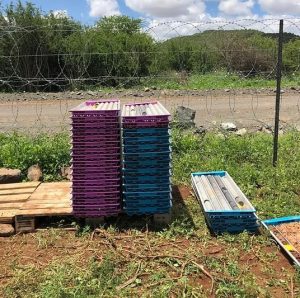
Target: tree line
(50, 51)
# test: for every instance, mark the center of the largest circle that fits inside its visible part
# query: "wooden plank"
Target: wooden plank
(46, 212)
(12, 206)
(13, 198)
(46, 206)
(4, 193)
(7, 216)
(19, 185)
(4, 220)
(49, 199)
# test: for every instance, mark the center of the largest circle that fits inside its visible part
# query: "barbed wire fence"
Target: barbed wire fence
(223, 70)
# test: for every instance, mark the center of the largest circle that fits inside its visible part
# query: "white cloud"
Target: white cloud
(236, 7)
(101, 8)
(184, 9)
(281, 6)
(60, 14)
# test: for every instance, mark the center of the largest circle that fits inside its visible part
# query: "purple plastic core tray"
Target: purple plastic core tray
(96, 169)
(106, 106)
(95, 200)
(91, 163)
(95, 136)
(91, 121)
(97, 157)
(103, 180)
(91, 143)
(94, 150)
(95, 125)
(96, 187)
(110, 195)
(96, 131)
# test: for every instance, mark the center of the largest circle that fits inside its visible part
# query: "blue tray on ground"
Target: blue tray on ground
(282, 241)
(234, 230)
(232, 221)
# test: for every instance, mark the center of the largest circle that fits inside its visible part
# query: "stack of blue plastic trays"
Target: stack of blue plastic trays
(146, 159)
(224, 205)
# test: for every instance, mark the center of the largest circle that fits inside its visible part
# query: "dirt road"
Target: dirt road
(49, 111)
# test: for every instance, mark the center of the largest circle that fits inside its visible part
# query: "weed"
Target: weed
(51, 152)
(220, 80)
(274, 191)
(47, 238)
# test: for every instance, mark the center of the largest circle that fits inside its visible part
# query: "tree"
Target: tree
(30, 42)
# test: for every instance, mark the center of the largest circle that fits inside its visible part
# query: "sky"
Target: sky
(88, 11)
(164, 19)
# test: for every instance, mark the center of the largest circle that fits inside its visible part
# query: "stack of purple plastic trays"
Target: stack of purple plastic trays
(96, 171)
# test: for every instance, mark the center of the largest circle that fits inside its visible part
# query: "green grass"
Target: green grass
(20, 151)
(219, 80)
(76, 266)
(248, 159)
(274, 191)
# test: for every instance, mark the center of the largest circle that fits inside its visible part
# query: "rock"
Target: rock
(91, 93)
(184, 117)
(293, 88)
(78, 93)
(10, 175)
(147, 89)
(228, 126)
(267, 129)
(241, 132)
(6, 230)
(34, 173)
(281, 91)
(227, 90)
(66, 172)
(200, 130)
(153, 88)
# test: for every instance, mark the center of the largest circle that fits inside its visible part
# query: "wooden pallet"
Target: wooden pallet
(49, 199)
(12, 198)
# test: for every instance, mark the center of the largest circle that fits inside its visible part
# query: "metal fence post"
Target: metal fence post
(278, 93)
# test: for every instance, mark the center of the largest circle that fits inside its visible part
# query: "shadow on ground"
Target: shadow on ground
(123, 222)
